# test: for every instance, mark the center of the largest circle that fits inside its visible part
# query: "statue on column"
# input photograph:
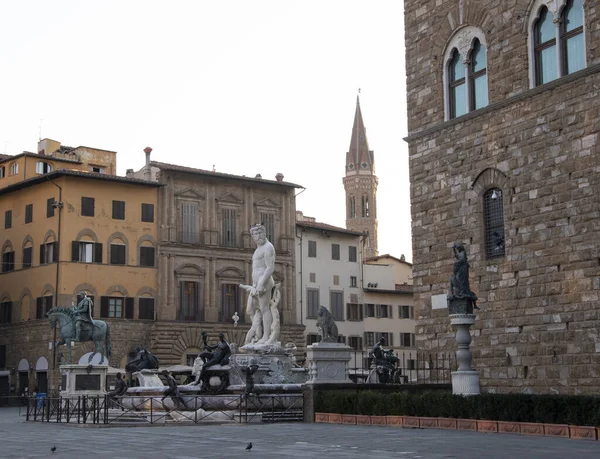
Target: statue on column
(264, 295)
(459, 281)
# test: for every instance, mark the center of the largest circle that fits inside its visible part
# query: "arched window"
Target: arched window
(546, 68)
(557, 44)
(465, 72)
(478, 77)
(571, 37)
(14, 168)
(456, 85)
(351, 207)
(493, 218)
(42, 167)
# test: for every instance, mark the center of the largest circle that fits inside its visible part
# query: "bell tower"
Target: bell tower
(360, 184)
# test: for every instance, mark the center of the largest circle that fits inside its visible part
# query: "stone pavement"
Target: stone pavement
(20, 439)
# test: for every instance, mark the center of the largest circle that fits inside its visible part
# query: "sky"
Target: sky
(246, 87)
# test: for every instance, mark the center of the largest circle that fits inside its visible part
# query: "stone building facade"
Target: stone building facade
(205, 252)
(503, 121)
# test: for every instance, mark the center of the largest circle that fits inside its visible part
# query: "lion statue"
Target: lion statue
(326, 326)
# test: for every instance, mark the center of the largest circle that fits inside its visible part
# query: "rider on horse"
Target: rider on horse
(83, 313)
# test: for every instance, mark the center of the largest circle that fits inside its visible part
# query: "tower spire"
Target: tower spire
(360, 184)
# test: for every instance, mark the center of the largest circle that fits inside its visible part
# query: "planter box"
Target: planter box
(321, 417)
(395, 421)
(348, 419)
(466, 424)
(509, 427)
(556, 430)
(335, 418)
(531, 428)
(583, 432)
(410, 421)
(447, 423)
(363, 420)
(483, 425)
(378, 421)
(428, 423)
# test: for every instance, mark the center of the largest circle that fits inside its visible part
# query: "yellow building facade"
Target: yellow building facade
(70, 226)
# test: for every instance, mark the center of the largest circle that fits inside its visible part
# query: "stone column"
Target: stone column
(465, 381)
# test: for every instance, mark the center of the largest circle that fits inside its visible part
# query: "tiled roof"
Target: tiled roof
(81, 174)
(326, 227)
(4, 158)
(191, 170)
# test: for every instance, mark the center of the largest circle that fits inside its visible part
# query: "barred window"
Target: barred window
(493, 216)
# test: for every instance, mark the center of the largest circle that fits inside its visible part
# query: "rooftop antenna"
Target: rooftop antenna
(40, 130)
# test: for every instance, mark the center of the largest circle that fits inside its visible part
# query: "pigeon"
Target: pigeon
(249, 447)
(53, 449)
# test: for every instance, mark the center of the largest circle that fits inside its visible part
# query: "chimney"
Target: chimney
(129, 173)
(147, 169)
(279, 177)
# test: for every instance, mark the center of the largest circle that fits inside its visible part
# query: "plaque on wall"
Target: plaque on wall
(87, 382)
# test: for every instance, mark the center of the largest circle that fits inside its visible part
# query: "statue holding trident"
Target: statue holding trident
(264, 295)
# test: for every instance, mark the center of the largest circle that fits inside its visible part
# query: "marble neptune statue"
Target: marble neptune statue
(263, 295)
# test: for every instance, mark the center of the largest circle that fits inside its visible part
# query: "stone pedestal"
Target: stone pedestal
(465, 381)
(77, 380)
(328, 363)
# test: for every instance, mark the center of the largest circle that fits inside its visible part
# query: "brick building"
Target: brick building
(503, 120)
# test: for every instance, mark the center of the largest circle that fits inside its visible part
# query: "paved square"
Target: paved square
(20, 439)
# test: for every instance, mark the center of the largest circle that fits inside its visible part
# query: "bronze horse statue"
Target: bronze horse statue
(95, 332)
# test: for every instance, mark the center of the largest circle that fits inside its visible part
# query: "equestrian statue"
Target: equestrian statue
(76, 324)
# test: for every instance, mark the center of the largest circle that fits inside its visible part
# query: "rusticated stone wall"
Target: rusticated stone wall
(537, 330)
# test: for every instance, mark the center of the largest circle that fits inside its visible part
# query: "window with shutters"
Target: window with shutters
(146, 308)
(118, 254)
(312, 303)
(147, 256)
(28, 213)
(336, 302)
(407, 339)
(229, 221)
(116, 307)
(42, 167)
(48, 253)
(118, 210)
(267, 219)
(27, 256)
(369, 339)
(354, 312)
(352, 253)
(8, 260)
(43, 305)
(189, 223)
(312, 338)
(388, 337)
(148, 213)
(352, 281)
(312, 249)
(8, 219)
(87, 206)
(341, 339)
(86, 252)
(50, 207)
(230, 302)
(6, 312)
(369, 310)
(383, 311)
(355, 342)
(312, 277)
(406, 312)
(335, 251)
(190, 306)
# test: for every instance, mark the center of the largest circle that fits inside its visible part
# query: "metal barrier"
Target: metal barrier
(414, 367)
(236, 408)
